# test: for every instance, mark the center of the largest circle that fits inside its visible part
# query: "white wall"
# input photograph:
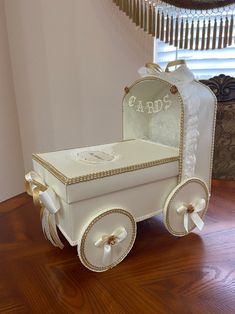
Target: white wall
(71, 60)
(11, 161)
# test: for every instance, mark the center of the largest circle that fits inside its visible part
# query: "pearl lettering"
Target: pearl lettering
(140, 107)
(150, 107)
(158, 105)
(132, 100)
(168, 103)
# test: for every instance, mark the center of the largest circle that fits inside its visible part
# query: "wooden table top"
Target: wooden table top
(162, 273)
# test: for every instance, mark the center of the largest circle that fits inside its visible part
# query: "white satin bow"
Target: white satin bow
(191, 212)
(107, 242)
(46, 194)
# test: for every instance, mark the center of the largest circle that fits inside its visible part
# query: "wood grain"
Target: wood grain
(162, 274)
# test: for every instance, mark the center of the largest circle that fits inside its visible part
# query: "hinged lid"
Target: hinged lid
(84, 172)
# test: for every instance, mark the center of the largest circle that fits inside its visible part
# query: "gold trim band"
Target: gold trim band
(102, 174)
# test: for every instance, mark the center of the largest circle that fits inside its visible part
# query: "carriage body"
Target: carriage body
(142, 192)
(162, 164)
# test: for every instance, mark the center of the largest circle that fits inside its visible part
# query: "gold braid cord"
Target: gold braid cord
(34, 188)
(207, 25)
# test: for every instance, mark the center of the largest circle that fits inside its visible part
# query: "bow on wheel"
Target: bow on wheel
(47, 201)
(191, 211)
(107, 242)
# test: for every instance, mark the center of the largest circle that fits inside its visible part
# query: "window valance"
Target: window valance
(196, 24)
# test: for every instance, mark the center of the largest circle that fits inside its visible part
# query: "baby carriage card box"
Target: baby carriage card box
(95, 195)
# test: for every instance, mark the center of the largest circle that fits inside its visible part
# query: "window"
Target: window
(203, 63)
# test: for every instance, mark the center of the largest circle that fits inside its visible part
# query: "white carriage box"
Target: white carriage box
(96, 195)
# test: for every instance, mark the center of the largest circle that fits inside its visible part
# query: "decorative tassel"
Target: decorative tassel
(154, 21)
(137, 17)
(214, 34)
(145, 16)
(226, 33)
(162, 26)
(220, 33)
(171, 30)
(134, 12)
(230, 31)
(142, 14)
(120, 4)
(150, 19)
(158, 25)
(208, 40)
(186, 36)
(181, 33)
(203, 35)
(130, 9)
(124, 5)
(167, 29)
(176, 31)
(197, 35)
(192, 35)
(127, 7)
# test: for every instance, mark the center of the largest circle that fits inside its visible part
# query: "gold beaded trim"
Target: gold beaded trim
(59, 175)
(171, 199)
(102, 174)
(154, 78)
(82, 253)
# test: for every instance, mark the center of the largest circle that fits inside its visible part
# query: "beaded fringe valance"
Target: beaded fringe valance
(182, 27)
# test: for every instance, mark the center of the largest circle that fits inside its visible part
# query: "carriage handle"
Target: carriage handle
(157, 67)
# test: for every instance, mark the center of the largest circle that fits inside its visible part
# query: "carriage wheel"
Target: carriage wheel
(107, 239)
(186, 206)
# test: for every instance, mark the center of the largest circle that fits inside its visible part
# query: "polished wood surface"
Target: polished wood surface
(162, 274)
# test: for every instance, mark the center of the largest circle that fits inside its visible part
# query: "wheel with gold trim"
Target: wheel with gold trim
(107, 239)
(186, 207)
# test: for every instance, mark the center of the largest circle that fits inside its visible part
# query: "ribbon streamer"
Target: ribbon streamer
(108, 242)
(191, 212)
(47, 201)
